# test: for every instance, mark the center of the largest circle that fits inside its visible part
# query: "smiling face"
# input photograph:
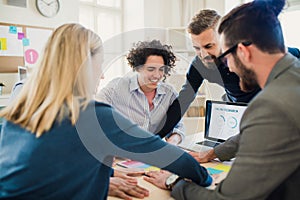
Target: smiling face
(151, 73)
(207, 46)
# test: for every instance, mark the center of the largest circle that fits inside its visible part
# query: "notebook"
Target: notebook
(222, 120)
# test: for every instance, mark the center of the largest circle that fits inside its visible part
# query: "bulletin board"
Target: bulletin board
(21, 45)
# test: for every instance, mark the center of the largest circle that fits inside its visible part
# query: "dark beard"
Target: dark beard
(248, 79)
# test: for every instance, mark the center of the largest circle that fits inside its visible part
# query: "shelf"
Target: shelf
(199, 101)
(200, 96)
(179, 39)
(193, 118)
(4, 96)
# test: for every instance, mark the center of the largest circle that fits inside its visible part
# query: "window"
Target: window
(289, 20)
(105, 18)
(102, 16)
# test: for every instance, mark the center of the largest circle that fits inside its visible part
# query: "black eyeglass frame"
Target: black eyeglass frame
(230, 50)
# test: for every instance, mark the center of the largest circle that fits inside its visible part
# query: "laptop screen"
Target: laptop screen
(222, 119)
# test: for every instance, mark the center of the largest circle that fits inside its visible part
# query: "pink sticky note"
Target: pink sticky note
(21, 36)
(31, 56)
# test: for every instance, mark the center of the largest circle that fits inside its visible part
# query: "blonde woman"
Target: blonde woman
(57, 143)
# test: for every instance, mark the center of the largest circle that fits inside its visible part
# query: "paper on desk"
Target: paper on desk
(213, 171)
(137, 165)
(222, 167)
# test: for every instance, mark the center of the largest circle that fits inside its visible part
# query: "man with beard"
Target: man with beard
(205, 39)
(268, 159)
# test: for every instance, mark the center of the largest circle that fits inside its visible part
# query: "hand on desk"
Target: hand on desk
(205, 156)
(128, 174)
(124, 189)
(158, 178)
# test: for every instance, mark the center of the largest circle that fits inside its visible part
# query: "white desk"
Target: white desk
(191, 139)
(157, 193)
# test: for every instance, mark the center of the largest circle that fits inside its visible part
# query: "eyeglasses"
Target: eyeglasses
(220, 59)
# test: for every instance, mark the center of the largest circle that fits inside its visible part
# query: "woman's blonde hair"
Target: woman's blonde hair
(59, 87)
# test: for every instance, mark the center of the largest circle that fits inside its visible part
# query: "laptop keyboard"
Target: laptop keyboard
(208, 143)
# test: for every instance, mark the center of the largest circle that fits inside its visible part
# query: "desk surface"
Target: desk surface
(157, 193)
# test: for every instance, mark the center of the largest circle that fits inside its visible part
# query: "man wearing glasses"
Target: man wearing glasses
(205, 39)
(268, 159)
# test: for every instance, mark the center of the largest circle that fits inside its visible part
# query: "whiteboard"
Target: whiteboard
(11, 44)
(37, 41)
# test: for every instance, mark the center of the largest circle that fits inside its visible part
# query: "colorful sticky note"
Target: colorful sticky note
(3, 44)
(152, 168)
(137, 164)
(13, 29)
(25, 41)
(223, 167)
(20, 36)
(31, 56)
(212, 171)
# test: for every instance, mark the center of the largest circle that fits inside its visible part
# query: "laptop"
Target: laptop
(222, 121)
(22, 71)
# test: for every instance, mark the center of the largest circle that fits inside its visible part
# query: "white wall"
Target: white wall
(69, 12)
(170, 13)
(133, 15)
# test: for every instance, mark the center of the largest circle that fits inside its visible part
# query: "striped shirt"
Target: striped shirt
(125, 95)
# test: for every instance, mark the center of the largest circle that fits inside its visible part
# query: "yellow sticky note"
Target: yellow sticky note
(152, 168)
(222, 167)
(3, 44)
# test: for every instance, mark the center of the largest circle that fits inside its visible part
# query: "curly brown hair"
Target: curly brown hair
(140, 51)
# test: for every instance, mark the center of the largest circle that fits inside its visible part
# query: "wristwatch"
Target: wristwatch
(171, 181)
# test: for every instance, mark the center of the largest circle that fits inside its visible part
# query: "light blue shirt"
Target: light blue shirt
(125, 95)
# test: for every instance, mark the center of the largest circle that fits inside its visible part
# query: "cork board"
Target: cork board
(17, 48)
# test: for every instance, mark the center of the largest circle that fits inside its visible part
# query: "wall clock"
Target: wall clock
(48, 8)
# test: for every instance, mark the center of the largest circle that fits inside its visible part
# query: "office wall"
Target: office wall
(69, 12)
(170, 13)
(177, 13)
(132, 9)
